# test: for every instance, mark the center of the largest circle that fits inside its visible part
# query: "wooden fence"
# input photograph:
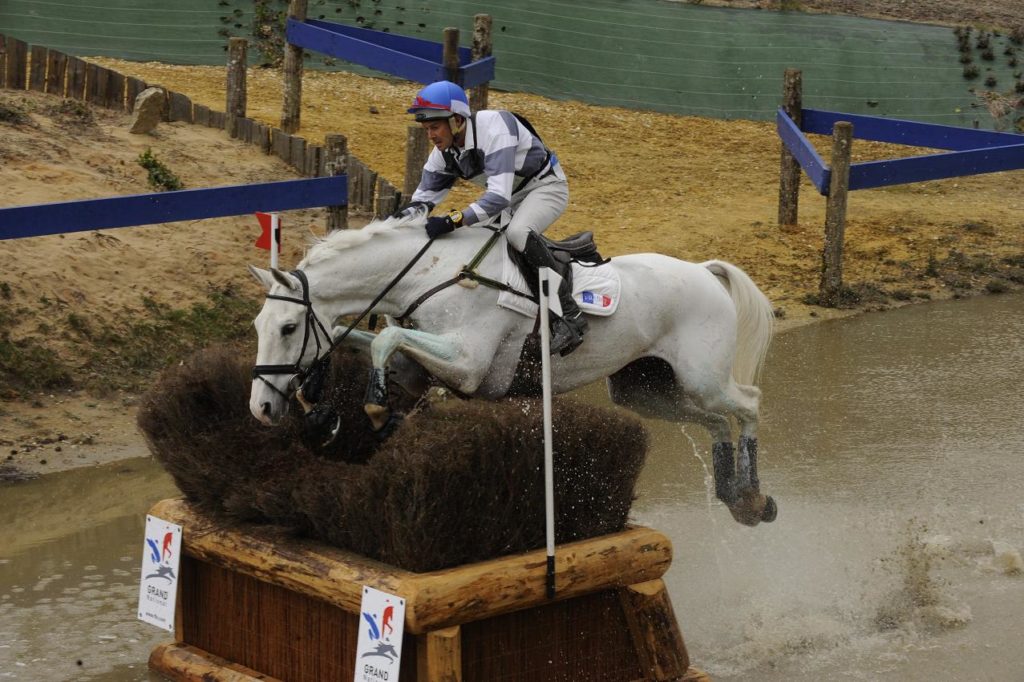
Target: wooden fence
(40, 69)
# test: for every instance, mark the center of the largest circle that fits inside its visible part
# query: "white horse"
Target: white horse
(685, 344)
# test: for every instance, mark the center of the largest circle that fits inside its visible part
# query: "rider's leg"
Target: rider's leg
(533, 213)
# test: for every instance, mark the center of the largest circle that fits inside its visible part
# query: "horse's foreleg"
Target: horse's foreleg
(426, 348)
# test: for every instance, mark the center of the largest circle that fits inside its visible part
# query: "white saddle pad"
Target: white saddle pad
(596, 289)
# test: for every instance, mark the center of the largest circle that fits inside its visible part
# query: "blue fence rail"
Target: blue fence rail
(414, 59)
(972, 152)
(164, 207)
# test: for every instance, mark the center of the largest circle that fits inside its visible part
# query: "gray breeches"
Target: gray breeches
(536, 208)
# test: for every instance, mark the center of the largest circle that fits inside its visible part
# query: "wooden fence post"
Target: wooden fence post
(417, 149)
(388, 198)
(789, 175)
(3, 60)
(451, 54)
(37, 69)
(830, 289)
(291, 109)
(336, 154)
(16, 63)
(56, 64)
(481, 48)
(237, 95)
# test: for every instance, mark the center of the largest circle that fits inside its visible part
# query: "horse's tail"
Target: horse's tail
(754, 320)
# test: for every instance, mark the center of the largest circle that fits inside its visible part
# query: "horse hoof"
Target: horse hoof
(378, 415)
(770, 511)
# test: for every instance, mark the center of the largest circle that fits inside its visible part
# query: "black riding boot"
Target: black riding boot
(566, 331)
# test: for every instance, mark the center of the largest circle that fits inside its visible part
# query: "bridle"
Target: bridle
(310, 382)
(301, 378)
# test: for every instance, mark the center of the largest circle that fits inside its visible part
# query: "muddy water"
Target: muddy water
(891, 442)
(894, 447)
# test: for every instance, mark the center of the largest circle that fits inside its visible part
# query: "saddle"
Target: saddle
(579, 248)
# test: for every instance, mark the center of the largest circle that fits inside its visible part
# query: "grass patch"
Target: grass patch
(25, 364)
(127, 353)
(160, 176)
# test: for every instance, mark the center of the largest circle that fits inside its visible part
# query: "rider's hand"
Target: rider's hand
(438, 225)
(412, 208)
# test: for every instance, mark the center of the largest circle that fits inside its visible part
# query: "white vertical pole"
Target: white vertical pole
(275, 231)
(549, 468)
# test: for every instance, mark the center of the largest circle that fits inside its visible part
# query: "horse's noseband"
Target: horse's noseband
(311, 381)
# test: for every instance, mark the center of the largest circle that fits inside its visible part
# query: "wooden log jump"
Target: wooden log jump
(611, 620)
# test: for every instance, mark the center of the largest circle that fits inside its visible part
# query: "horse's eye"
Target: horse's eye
(288, 329)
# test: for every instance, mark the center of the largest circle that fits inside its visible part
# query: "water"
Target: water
(890, 441)
(70, 556)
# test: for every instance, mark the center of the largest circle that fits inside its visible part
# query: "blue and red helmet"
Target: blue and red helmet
(440, 100)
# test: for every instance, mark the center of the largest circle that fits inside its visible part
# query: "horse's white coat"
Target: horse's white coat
(708, 321)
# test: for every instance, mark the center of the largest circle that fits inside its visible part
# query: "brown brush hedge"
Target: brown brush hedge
(456, 483)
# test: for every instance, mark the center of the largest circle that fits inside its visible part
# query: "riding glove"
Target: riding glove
(438, 225)
(412, 208)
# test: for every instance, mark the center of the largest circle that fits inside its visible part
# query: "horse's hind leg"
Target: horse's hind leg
(751, 507)
(736, 480)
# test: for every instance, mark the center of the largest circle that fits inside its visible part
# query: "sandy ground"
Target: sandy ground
(688, 187)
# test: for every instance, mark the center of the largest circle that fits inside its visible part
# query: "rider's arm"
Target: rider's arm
(497, 135)
(435, 181)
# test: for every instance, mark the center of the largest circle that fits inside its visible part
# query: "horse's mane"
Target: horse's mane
(322, 248)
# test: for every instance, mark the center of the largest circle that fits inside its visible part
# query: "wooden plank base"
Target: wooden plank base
(183, 663)
(257, 603)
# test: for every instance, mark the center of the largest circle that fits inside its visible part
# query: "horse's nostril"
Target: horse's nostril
(266, 409)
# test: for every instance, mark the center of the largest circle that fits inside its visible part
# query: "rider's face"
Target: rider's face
(439, 133)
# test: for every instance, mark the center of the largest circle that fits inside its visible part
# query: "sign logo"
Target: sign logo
(158, 587)
(379, 651)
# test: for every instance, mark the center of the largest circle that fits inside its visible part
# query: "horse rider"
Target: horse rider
(520, 175)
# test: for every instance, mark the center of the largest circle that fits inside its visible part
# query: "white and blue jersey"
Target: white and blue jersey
(500, 154)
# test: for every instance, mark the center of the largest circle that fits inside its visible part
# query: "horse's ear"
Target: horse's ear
(262, 276)
(284, 279)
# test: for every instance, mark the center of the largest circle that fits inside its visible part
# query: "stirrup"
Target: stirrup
(566, 336)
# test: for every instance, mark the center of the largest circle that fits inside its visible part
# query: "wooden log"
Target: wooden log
(184, 663)
(236, 88)
(388, 198)
(297, 154)
(56, 65)
(16, 64)
(450, 54)
(75, 78)
(311, 168)
(831, 286)
(482, 47)
(180, 107)
(789, 173)
(362, 184)
(291, 108)
(281, 144)
(336, 164)
(115, 91)
(433, 600)
(97, 80)
(201, 115)
(262, 136)
(133, 86)
(439, 656)
(37, 68)
(217, 119)
(417, 149)
(655, 632)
